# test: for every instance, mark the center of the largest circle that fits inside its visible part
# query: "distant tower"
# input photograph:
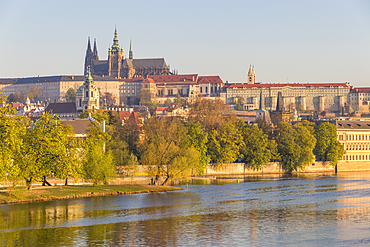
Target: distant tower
(115, 57)
(88, 57)
(280, 103)
(131, 53)
(87, 95)
(261, 112)
(95, 52)
(251, 78)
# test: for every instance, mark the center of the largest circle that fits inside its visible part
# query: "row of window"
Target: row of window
(362, 137)
(357, 147)
(357, 157)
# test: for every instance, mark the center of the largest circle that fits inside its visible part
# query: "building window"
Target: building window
(92, 94)
(201, 90)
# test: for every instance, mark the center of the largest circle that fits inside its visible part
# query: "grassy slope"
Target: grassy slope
(9, 195)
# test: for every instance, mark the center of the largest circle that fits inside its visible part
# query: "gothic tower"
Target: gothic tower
(88, 57)
(251, 78)
(95, 52)
(115, 57)
(131, 53)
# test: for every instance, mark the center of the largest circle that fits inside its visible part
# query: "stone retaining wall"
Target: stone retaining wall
(269, 168)
(353, 166)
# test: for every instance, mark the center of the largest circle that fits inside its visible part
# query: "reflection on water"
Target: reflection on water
(305, 210)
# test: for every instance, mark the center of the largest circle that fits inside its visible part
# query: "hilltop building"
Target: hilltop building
(359, 99)
(302, 96)
(163, 87)
(117, 66)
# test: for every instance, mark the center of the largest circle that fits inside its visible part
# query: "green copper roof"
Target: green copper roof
(115, 46)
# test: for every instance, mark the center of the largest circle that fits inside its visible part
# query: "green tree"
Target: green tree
(98, 164)
(97, 114)
(44, 148)
(198, 139)
(223, 144)
(179, 101)
(255, 149)
(209, 113)
(168, 103)
(71, 153)
(34, 93)
(166, 150)
(145, 96)
(11, 145)
(295, 146)
(70, 95)
(327, 147)
(239, 102)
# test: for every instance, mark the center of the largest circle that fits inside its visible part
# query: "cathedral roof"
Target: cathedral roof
(157, 63)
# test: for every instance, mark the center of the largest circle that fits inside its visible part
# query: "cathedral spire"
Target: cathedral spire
(88, 45)
(95, 53)
(88, 56)
(115, 46)
(262, 105)
(131, 54)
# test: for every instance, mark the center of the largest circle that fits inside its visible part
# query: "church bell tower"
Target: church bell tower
(115, 57)
(251, 77)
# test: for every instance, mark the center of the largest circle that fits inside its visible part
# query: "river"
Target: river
(302, 210)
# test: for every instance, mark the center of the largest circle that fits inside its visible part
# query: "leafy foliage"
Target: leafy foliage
(255, 149)
(168, 152)
(223, 145)
(327, 147)
(295, 145)
(71, 95)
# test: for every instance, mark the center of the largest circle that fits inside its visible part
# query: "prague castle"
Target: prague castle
(118, 66)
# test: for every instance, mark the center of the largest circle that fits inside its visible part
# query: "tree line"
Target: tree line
(169, 147)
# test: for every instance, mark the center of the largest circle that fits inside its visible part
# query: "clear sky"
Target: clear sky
(286, 41)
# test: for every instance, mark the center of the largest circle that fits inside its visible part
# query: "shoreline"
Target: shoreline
(79, 192)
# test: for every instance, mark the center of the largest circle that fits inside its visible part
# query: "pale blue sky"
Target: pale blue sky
(295, 41)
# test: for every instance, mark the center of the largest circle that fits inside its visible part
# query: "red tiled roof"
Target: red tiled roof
(307, 85)
(203, 80)
(135, 116)
(361, 90)
(139, 78)
(16, 105)
(174, 78)
(212, 79)
(177, 83)
(161, 109)
(148, 80)
(122, 114)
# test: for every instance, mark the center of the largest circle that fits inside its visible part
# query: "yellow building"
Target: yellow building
(355, 138)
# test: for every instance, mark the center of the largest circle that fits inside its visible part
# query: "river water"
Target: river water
(306, 210)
